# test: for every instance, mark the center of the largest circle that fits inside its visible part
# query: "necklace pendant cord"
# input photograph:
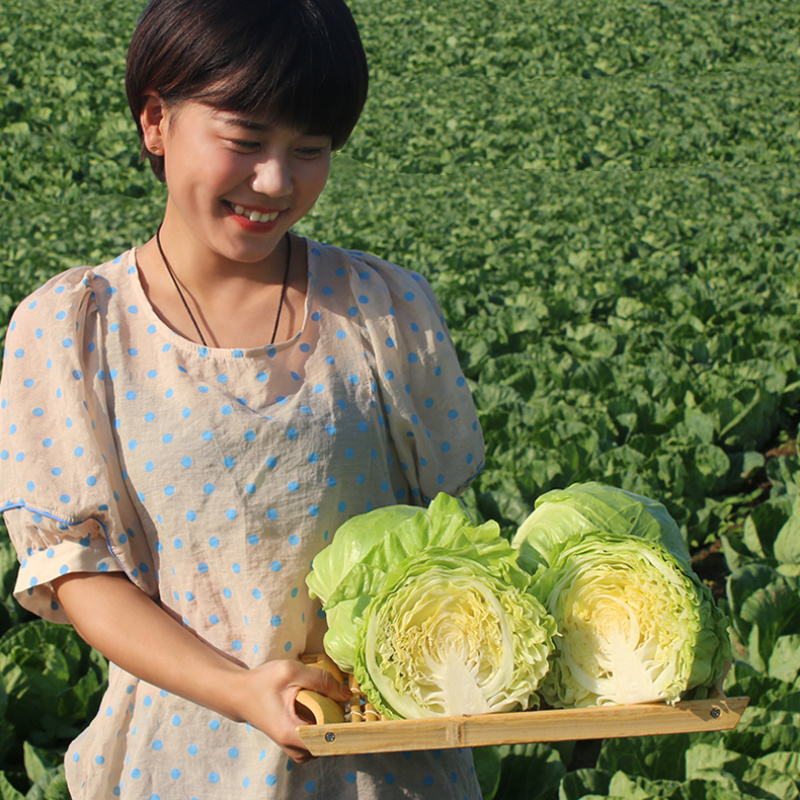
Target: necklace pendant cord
(189, 310)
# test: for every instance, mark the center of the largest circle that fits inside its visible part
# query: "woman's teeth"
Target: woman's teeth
(255, 216)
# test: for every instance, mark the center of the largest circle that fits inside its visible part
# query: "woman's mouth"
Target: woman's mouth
(253, 214)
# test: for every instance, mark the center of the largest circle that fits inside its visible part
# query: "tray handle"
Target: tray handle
(315, 706)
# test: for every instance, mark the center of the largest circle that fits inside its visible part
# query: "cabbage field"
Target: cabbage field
(606, 199)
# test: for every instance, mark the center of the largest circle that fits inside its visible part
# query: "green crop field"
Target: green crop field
(606, 199)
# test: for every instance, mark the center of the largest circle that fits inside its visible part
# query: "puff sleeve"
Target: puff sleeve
(425, 398)
(62, 490)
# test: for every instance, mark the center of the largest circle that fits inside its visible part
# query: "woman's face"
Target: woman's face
(237, 183)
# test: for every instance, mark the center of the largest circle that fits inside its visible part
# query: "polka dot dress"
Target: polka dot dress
(212, 477)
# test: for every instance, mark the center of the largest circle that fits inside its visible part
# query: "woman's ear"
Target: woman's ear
(153, 120)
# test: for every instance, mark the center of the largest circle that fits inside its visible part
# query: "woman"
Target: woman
(187, 425)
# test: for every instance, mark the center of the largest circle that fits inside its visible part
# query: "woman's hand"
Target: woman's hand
(130, 629)
(267, 694)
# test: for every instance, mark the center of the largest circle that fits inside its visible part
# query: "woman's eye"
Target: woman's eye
(309, 152)
(245, 144)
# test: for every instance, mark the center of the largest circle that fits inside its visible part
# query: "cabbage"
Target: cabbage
(454, 633)
(351, 569)
(635, 623)
(432, 613)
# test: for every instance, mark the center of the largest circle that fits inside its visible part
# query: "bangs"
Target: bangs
(293, 82)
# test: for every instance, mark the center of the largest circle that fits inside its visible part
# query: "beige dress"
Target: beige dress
(212, 477)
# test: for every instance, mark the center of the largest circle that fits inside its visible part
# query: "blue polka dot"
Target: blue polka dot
(271, 780)
(213, 777)
(231, 513)
(209, 488)
(192, 749)
(275, 621)
(389, 778)
(428, 780)
(310, 786)
(233, 752)
(175, 774)
(350, 777)
(293, 486)
(176, 720)
(158, 744)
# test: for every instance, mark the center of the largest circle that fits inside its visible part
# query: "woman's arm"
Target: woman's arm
(128, 628)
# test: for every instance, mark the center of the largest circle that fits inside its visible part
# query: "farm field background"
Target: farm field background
(606, 199)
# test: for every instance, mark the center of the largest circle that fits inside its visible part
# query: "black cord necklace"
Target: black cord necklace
(189, 310)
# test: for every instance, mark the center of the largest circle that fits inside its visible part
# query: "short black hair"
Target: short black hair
(301, 61)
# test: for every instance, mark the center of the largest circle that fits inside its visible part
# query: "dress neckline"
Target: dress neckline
(157, 326)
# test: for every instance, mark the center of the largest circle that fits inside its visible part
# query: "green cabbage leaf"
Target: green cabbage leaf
(561, 513)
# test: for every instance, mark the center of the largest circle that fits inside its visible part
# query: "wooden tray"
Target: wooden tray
(383, 736)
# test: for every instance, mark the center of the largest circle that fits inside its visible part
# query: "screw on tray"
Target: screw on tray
(715, 712)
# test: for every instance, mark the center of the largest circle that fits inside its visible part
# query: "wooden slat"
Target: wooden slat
(721, 713)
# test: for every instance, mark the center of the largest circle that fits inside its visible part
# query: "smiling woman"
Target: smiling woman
(205, 409)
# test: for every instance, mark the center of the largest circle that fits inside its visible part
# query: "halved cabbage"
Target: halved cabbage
(454, 633)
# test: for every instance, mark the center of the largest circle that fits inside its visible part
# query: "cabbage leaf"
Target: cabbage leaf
(561, 513)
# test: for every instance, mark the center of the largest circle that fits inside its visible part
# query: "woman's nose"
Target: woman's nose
(273, 177)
